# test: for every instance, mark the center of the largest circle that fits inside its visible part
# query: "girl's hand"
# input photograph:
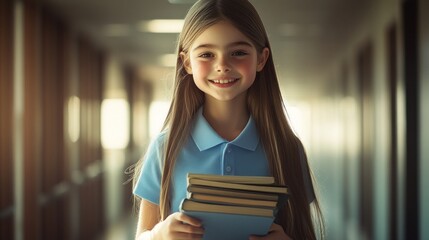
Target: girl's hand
(178, 226)
(275, 233)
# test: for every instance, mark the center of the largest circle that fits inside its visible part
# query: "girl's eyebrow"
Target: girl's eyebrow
(233, 44)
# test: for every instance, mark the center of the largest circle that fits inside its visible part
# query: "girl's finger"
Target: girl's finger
(186, 228)
(188, 220)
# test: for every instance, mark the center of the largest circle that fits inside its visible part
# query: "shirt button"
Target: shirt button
(229, 150)
(228, 168)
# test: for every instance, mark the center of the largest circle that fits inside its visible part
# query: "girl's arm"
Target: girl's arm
(175, 226)
(148, 217)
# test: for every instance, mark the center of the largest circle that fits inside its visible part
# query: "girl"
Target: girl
(227, 117)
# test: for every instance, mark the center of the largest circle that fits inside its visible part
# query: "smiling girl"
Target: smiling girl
(227, 117)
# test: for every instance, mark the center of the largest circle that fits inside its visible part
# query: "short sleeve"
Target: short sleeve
(149, 181)
(307, 177)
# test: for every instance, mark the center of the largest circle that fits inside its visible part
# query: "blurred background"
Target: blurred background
(84, 85)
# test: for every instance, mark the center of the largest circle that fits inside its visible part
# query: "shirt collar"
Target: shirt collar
(205, 136)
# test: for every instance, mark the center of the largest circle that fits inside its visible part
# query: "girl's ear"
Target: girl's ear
(262, 59)
(186, 63)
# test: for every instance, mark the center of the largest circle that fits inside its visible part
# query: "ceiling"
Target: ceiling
(304, 34)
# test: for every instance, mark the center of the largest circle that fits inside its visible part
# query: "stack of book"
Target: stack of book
(233, 207)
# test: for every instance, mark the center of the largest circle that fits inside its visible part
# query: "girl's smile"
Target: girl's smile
(224, 82)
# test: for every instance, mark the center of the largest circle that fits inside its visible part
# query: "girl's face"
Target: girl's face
(224, 62)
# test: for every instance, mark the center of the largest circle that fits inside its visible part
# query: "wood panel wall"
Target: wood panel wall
(32, 132)
(53, 186)
(7, 208)
(90, 86)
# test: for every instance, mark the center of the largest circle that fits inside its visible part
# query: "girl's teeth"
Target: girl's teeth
(223, 81)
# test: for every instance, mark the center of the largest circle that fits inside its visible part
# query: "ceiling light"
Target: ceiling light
(161, 25)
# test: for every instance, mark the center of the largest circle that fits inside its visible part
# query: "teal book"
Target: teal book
(229, 222)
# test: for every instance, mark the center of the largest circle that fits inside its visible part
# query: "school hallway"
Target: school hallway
(85, 85)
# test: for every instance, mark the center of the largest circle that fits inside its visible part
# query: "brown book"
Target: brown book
(256, 180)
(232, 193)
(238, 186)
(207, 198)
(190, 205)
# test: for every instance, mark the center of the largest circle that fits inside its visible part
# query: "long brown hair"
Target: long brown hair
(264, 102)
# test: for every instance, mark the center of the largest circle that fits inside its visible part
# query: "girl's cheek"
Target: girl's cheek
(246, 66)
(201, 68)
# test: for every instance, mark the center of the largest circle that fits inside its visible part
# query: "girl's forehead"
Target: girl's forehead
(220, 34)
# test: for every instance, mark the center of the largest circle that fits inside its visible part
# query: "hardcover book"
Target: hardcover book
(226, 225)
(209, 198)
(233, 207)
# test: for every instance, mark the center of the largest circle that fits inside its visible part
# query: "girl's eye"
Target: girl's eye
(239, 53)
(205, 55)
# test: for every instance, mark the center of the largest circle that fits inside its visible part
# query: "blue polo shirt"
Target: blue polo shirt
(204, 152)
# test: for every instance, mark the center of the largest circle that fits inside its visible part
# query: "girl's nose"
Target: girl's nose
(223, 65)
(224, 69)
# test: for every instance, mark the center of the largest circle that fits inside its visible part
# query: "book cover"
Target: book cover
(228, 226)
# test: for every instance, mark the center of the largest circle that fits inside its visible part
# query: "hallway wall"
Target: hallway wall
(52, 179)
(424, 117)
(363, 133)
